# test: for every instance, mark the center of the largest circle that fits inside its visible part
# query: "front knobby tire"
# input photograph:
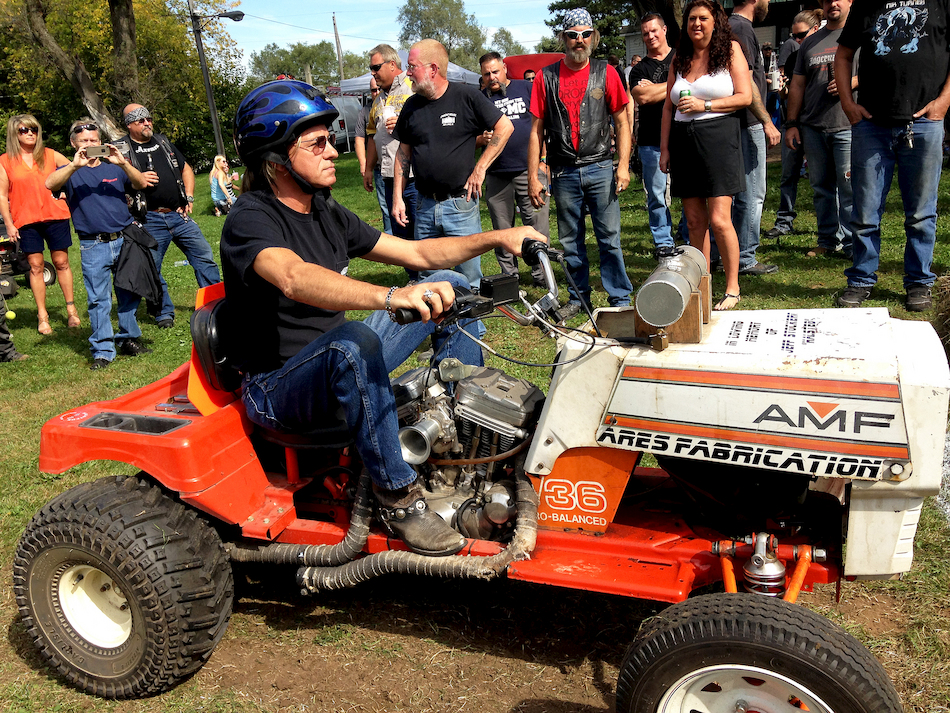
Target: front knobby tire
(124, 591)
(732, 652)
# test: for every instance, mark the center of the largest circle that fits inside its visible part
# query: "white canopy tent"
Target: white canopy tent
(360, 85)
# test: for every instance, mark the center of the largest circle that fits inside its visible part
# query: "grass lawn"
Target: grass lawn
(57, 378)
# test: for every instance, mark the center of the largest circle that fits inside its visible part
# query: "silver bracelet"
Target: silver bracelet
(389, 306)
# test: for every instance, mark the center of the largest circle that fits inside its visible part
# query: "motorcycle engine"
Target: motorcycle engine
(467, 444)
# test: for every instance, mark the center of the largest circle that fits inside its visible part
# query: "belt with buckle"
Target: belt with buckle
(101, 237)
(444, 196)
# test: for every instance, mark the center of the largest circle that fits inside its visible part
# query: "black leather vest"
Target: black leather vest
(594, 143)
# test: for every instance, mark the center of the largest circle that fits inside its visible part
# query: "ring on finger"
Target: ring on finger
(427, 295)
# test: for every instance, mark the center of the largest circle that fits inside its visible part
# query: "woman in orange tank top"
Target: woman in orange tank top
(32, 215)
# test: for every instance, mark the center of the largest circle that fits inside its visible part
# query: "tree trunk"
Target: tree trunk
(71, 67)
(124, 57)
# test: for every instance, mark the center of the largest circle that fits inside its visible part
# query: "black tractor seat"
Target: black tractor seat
(209, 333)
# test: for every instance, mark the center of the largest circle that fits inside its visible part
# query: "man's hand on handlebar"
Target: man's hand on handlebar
(513, 238)
(429, 299)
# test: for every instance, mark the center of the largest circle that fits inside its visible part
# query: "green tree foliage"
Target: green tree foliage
(354, 64)
(296, 59)
(169, 81)
(503, 43)
(447, 22)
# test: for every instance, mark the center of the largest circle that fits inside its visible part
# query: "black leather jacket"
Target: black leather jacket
(594, 127)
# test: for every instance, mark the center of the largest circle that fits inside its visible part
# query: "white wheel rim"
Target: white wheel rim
(731, 688)
(94, 606)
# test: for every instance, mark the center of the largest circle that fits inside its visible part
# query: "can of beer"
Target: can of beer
(685, 93)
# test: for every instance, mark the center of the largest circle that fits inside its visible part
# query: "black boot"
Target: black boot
(405, 515)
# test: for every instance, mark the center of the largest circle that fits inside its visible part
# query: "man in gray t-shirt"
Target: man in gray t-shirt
(816, 119)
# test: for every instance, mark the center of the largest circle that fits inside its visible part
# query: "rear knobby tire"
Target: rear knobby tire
(709, 653)
(124, 591)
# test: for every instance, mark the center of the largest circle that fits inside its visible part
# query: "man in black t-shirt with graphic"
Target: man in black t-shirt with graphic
(816, 120)
(168, 202)
(506, 182)
(648, 90)
(437, 131)
(897, 121)
(285, 250)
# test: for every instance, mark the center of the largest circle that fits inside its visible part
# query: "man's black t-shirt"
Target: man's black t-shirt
(904, 55)
(651, 115)
(275, 328)
(742, 29)
(442, 135)
(151, 157)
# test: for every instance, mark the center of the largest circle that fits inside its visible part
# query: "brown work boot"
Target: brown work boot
(405, 515)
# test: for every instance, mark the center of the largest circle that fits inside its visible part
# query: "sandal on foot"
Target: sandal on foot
(73, 322)
(44, 327)
(727, 296)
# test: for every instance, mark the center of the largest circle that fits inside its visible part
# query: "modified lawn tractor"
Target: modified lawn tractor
(13, 262)
(794, 447)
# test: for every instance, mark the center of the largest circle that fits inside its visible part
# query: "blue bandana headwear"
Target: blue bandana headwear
(577, 18)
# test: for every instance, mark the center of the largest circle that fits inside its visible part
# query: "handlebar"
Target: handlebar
(498, 291)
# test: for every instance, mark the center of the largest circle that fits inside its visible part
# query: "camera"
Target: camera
(97, 151)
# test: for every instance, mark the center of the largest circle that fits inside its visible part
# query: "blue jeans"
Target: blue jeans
(98, 268)
(348, 368)
(875, 150)
(384, 203)
(407, 232)
(792, 162)
(173, 226)
(593, 186)
(829, 171)
(654, 183)
(452, 217)
(747, 206)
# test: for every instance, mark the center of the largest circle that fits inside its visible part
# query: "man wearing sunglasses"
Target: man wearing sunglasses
(164, 206)
(576, 92)
(285, 250)
(95, 192)
(395, 88)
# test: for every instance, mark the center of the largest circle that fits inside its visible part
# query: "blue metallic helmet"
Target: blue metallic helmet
(272, 115)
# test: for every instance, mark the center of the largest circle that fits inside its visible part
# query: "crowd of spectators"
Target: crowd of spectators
(701, 116)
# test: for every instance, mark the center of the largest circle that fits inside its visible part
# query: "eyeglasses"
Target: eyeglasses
(410, 68)
(800, 35)
(28, 130)
(374, 91)
(576, 34)
(375, 67)
(318, 145)
(85, 127)
(145, 120)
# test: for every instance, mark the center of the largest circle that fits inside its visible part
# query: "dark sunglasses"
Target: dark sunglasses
(85, 127)
(575, 34)
(28, 130)
(800, 35)
(375, 67)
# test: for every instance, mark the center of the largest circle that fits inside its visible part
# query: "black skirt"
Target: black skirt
(706, 158)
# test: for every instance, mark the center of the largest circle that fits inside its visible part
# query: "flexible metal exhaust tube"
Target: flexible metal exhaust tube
(321, 579)
(316, 555)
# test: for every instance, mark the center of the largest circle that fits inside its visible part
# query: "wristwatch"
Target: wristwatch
(708, 105)
(190, 199)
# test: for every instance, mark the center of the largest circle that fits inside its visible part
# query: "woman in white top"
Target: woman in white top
(709, 80)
